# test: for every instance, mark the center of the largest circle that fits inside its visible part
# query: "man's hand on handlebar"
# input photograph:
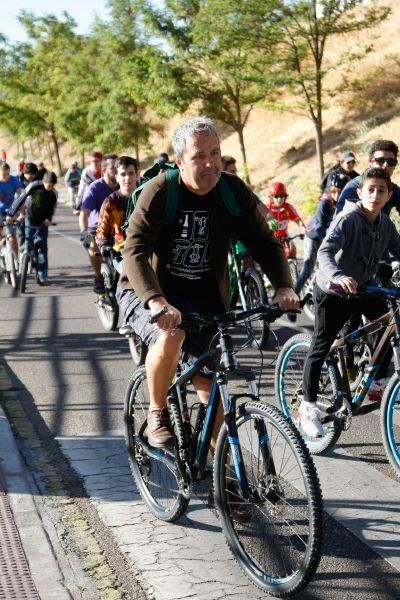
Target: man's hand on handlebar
(287, 299)
(169, 318)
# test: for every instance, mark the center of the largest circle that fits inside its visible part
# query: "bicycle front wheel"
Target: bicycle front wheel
(275, 533)
(289, 389)
(154, 469)
(390, 422)
(256, 295)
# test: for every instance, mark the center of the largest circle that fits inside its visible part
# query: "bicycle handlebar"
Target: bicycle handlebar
(364, 290)
(267, 313)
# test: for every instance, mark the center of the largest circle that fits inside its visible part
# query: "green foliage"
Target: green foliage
(309, 193)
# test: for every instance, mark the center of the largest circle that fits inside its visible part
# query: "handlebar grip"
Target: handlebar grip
(155, 316)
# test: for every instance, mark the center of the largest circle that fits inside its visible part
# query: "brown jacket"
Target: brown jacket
(148, 240)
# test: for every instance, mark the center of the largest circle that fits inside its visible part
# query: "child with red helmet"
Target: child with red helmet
(282, 211)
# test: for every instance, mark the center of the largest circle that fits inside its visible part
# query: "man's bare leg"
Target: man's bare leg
(161, 362)
(203, 385)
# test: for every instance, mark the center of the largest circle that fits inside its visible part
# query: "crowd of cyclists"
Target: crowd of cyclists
(349, 241)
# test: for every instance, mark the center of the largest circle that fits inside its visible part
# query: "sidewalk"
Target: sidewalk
(28, 566)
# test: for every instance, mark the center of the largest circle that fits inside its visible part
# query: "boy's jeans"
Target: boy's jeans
(38, 235)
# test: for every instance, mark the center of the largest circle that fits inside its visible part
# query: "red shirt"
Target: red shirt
(284, 214)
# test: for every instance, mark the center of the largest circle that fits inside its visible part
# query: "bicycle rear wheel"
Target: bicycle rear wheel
(276, 534)
(390, 422)
(154, 469)
(289, 389)
(23, 270)
(256, 295)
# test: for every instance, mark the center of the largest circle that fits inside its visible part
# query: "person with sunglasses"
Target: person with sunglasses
(382, 154)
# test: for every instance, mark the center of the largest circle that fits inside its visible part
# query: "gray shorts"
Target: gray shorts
(137, 316)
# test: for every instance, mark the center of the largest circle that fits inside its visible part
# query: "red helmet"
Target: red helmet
(276, 188)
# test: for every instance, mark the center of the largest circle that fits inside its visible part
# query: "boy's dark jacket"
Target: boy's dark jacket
(39, 203)
(353, 246)
(147, 246)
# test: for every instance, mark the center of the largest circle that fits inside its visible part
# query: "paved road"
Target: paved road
(71, 377)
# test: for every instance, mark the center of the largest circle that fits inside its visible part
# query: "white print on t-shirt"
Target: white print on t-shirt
(190, 256)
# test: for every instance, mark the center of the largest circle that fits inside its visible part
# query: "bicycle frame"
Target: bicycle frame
(391, 322)
(192, 448)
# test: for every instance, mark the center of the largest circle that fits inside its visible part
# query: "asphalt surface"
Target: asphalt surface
(70, 377)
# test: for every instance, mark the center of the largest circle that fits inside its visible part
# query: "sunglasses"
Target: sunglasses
(381, 160)
(279, 195)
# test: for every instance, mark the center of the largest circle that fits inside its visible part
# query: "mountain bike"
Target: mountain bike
(337, 397)
(266, 488)
(248, 286)
(106, 303)
(8, 256)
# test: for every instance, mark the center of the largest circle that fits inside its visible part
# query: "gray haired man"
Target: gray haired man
(182, 266)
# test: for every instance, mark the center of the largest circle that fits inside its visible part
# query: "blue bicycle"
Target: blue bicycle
(339, 397)
(266, 488)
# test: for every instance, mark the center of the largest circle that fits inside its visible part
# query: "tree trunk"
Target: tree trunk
(83, 159)
(319, 146)
(23, 150)
(57, 153)
(244, 158)
(50, 154)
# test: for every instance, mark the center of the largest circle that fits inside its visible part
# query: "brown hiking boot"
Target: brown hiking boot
(159, 429)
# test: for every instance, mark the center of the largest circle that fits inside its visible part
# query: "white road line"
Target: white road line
(67, 237)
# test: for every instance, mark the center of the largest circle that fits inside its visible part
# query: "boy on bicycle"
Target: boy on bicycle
(37, 204)
(349, 256)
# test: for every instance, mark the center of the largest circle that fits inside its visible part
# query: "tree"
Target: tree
(210, 48)
(33, 76)
(300, 65)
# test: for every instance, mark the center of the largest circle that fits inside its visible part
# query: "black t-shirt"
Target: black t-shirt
(191, 283)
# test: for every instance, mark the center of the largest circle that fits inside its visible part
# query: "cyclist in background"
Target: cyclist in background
(282, 212)
(9, 187)
(89, 174)
(72, 180)
(94, 197)
(229, 164)
(382, 154)
(344, 169)
(37, 205)
(113, 211)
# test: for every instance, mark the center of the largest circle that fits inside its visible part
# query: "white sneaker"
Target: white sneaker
(376, 390)
(310, 419)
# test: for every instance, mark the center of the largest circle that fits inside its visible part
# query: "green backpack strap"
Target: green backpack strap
(228, 197)
(172, 202)
(171, 205)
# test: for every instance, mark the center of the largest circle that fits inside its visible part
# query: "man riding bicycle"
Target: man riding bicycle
(182, 266)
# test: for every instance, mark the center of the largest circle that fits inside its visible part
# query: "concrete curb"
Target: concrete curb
(21, 492)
